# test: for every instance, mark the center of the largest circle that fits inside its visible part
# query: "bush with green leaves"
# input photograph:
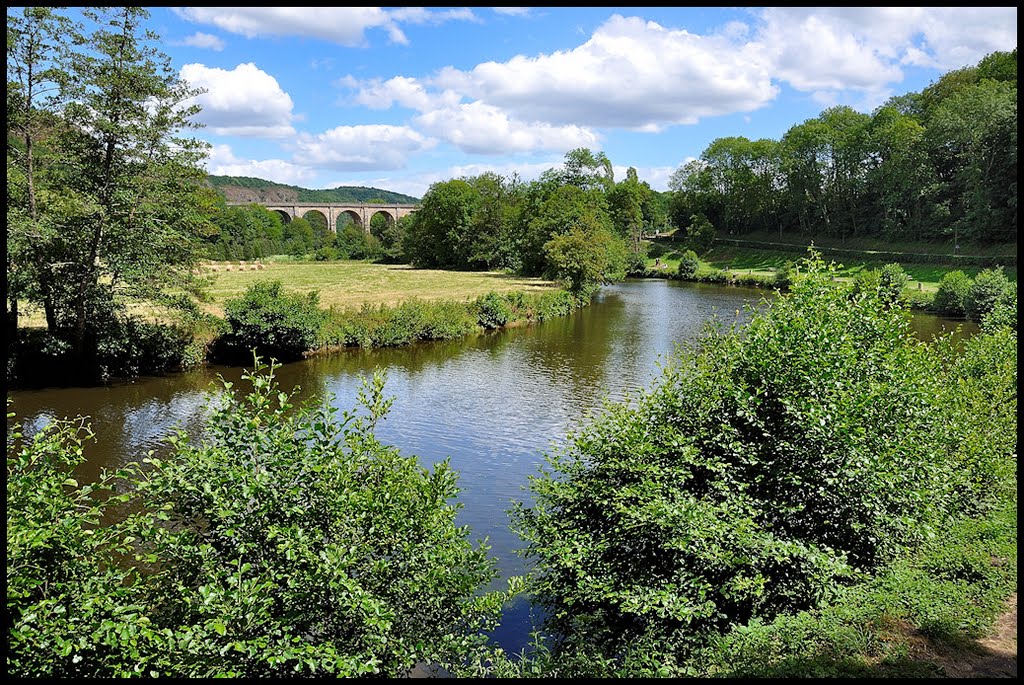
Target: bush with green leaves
(284, 541)
(271, 322)
(951, 297)
(1003, 312)
(298, 544)
(688, 265)
(585, 257)
(494, 310)
(892, 281)
(989, 287)
(72, 611)
(785, 275)
(770, 466)
(700, 234)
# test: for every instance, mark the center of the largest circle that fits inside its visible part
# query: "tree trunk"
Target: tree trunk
(12, 320)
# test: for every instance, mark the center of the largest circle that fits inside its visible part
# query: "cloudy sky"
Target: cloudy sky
(399, 98)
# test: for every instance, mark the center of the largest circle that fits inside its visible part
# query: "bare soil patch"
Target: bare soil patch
(993, 656)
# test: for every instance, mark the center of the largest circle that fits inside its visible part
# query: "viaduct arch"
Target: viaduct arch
(361, 212)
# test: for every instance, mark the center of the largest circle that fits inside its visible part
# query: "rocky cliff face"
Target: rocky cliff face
(271, 195)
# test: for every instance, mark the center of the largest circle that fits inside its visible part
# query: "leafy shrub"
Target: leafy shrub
(71, 610)
(700, 234)
(271, 322)
(768, 468)
(951, 296)
(636, 262)
(494, 310)
(892, 280)
(299, 544)
(688, 265)
(989, 286)
(1003, 312)
(286, 542)
(785, 275)
(326, 254)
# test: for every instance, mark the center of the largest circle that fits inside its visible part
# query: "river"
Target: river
(493, 404)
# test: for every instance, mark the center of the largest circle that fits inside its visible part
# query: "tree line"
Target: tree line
(939, 164)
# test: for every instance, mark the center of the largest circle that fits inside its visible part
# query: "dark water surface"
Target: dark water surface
(493, 404)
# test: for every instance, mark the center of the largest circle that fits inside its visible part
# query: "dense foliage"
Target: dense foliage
(270, 322)
(940, 164)
(420, 320)
(286, 541)
(575, 223)
(106, 198)
(768, 468)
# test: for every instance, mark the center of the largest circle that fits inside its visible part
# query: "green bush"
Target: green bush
(688, 265)
(700, 234)
(288, 541)
(769, 467)
(951, 296)
(1003, 312)
(892, 281)
(493, 310)
(72, 611)
(785, 275)
(989, 287)
(271, 322)
(301, 545)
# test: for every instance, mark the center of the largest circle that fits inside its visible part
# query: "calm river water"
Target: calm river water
(493, 404)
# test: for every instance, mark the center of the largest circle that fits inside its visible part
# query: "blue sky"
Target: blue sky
(400, 98)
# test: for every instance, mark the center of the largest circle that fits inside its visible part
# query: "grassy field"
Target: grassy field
(342, 284)
(352, 283)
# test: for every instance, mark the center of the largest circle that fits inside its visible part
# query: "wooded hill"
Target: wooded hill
(248, 189)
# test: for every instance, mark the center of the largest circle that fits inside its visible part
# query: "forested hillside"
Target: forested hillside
(247, 189)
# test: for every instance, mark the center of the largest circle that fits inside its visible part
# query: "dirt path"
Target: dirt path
(993, 656)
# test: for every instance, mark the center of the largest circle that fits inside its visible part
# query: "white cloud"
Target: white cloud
(245, 101)
(421, 15)
(222, 162)
(400, 90)
(343, 25)
(631, 73)
(512, 11)
(819, 49)
(960, 36)
(202, 40)
(642, 76)
(361, 148)
(482, 129)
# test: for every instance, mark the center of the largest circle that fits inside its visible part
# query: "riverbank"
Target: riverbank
(316, 308)
(757, 257)
(768, 265)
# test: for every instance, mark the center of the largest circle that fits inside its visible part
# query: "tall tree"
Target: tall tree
(37, 66)
(973, 134)
(626, 202)
(124, 193)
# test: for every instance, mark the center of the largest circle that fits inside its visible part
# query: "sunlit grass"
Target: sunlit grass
(341, 284)
(352, 283)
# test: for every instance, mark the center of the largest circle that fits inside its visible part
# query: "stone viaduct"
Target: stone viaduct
(361, 213)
